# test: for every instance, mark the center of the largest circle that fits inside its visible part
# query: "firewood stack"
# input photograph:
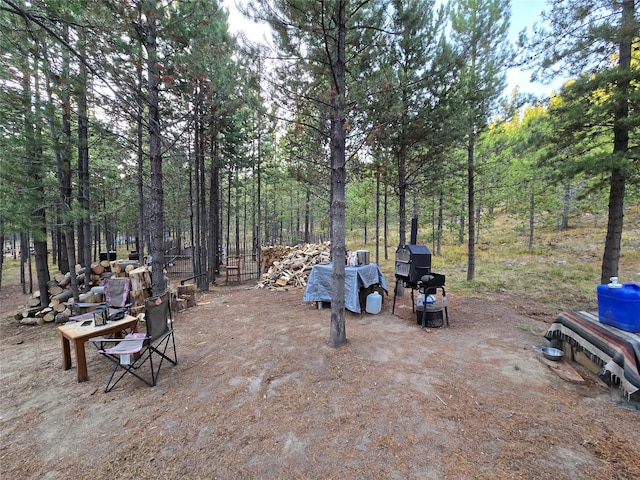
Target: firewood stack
(58, 308)
(268, 255)
(293, 267)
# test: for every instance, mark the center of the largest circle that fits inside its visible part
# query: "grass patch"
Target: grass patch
(561, 270)
(530, 328)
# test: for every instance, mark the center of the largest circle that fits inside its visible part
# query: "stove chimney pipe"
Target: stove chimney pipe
(414, 231)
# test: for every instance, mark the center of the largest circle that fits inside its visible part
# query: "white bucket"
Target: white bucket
(430, 300)
(374, 303)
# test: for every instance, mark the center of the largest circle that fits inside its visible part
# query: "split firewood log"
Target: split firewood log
(140, 278)
(53, 287)
(138, 297)
(98, 292)
(87, 297)
(60, 307)
(61, 297)
(97, 268)
(120, 266)
(180, 304)
(55, 290)
(29, 311)
(66, 281)
(188, 289)
(63, 317)
(33, 301)
(43, 312)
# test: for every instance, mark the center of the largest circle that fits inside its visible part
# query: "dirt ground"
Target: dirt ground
(258, 393)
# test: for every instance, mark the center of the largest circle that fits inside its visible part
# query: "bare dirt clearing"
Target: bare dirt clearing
(258, 393)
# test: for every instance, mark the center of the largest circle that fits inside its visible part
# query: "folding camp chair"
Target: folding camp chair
(133, 351)
(116, 294)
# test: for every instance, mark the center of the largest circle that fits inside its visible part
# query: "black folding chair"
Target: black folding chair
(135, 350)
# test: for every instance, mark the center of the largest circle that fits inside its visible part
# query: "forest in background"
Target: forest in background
(146, 123)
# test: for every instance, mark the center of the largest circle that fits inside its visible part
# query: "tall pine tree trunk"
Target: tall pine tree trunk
(611, 256)
(33, 141)
(84, 223)
(63, 158)
(378, 213)
(156, 227)
(201, 196)
(471, 253)
(532, 211)
(141, 232)
(214, 206)
(63, 171)
(213, 240)
(338, 334)
(236, 211)
(195, 168)
(440, 222)
(307, 215)
(402, 194)
(564, 221)
(386, 221)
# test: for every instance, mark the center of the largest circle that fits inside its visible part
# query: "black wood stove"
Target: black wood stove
(413, 270)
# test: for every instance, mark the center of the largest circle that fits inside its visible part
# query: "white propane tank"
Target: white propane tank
(374, 303)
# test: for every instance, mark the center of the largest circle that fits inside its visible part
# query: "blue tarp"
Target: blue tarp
(319, 284)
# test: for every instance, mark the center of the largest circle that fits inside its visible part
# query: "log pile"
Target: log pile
(60, 305)
(268, 255)
(293, 267)
(140, 288)
(58, 308)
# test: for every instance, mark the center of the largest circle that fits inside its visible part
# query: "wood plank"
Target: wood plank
(561, 368)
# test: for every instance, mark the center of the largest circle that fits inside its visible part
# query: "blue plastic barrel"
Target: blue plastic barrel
(619, 306)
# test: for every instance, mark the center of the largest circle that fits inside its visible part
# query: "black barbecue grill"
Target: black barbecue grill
(413, 270)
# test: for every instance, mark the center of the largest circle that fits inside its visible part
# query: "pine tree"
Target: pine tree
(316, 37)
(416, 73)
(595, 41)
(479, 28)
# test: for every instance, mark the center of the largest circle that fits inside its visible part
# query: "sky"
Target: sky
(523, 15)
